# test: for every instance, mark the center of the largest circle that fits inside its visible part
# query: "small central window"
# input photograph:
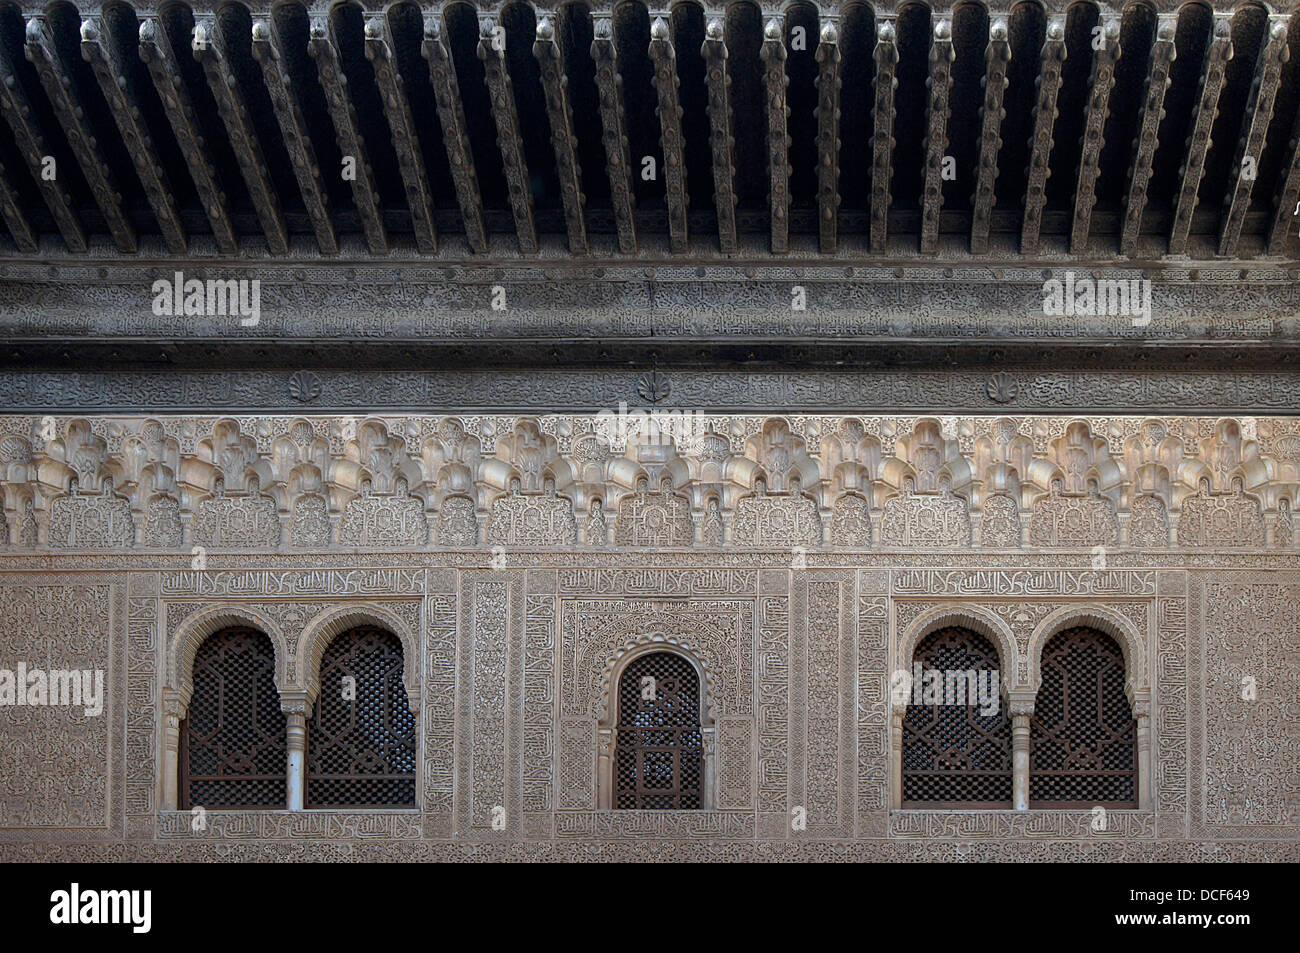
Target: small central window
(660, 744)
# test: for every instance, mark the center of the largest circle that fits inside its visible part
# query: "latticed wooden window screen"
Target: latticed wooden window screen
(660, 746)
(361, 751)
(952, 754)
(1082, 737)
(233, 749)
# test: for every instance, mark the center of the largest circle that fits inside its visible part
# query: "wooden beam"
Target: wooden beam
(1215, 67)
(156, 52)
(15, 221)
(1100, 84)
(997, 56)
(401, 125)
(1286, 208)
(936, 134)
(323, 49)
(828, 138)
(31, 143)
(722, 141)
(882, 137)
(778, 135)
(451, 114)
(56, 80)
(664, 58)
(1040, 142)
(100, 48)
(555, 88)
(210, 50)
(293, 128)
(1250, 142)
(1163, 52)
(492, 51)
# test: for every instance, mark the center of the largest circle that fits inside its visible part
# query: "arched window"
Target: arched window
(659, 752)
(956, 732)
(233, 747)
(1082, 737)
(361, 740)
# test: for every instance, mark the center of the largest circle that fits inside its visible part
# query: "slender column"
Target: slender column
(555, 86)
(896, 756)
(828, 138)
(293, 127)
(156, 52)
(1250, 143)
(451, 113)
(1022, 709)
(664, 58)
(210, 50)
(996, 57)
(1100, 83)
(1198, 143)
(117, 82)
(323, 49)
(493, 54)
(1163, 52)
(936, 135)
(175, 706)
(607, 738)
(778, 138)
(296, 706)
(722, 142)
(1040, 145)
(882, 137)
(709, 769)
(1141, 702)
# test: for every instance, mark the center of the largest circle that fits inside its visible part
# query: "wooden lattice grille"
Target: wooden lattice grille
(660, 746)
(233, 749)
(1082, 737)
(953, 754)
(361, 750)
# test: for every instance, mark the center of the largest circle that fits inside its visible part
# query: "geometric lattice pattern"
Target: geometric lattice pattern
(660, 747)
(952, 754)
(1082, 736)
(233, 746)
(361, 741)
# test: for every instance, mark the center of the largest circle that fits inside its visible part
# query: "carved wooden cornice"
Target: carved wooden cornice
(273, 110)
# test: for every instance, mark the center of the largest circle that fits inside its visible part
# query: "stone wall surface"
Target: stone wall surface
(510, 646)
